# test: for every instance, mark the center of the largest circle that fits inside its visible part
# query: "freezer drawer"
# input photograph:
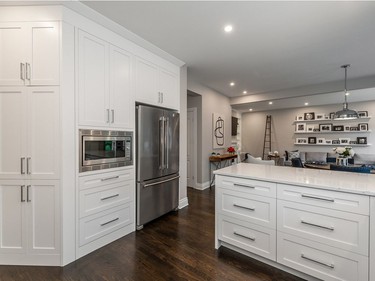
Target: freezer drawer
(156, 198)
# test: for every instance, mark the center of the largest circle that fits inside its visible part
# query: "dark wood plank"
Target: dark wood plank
(178, 246)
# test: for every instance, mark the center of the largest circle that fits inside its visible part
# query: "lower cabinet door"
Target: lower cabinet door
(247, 236)
(321, 261)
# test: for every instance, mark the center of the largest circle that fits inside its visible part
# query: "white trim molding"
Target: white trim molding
(183, 203)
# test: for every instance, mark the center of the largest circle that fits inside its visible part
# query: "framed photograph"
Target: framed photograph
(361, 114)
(338, 128)
(331, 115)
(353, 142)
(325, 127)
(363, 127)
(301, 140)
(299, 118)
(321, 141)
(361, 140)
(309, 116)
(344, 140)
(335, 142)
(312, 140)
(319, 116)
(301, 127)
(353, 128)
(328, 141)
(346, 128)
(310, 128)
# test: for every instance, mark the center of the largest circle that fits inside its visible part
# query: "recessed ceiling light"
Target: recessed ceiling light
(244, 92)
(232, 84)
(306, 103)
(228, 28)
(270, 102)
(347, 94)
(250, 109)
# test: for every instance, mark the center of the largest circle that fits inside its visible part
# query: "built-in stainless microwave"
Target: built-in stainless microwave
(104, 149)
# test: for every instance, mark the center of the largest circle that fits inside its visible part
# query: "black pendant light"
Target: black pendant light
(346, 113)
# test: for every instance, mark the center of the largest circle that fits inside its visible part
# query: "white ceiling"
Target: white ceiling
(277, 51)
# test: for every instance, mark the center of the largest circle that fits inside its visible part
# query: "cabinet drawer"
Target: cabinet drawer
(335, 228)
(253, 238)
(96, 226)
(102, 179)
(251, 208)
(340, 201)
(324, 262)
(255, 187)
(101, 198)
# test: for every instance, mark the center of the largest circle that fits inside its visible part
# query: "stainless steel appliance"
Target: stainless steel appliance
(157, 162)
(104, 149)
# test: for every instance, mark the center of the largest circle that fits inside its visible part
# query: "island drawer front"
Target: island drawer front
(255, 187)
(348, 202)
(321, 261)
(96, 226)
(98, 199)
(251, 208)
(335, 228)
(253, 238)
(101, 179)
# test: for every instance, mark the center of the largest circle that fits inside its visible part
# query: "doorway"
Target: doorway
(192, 147)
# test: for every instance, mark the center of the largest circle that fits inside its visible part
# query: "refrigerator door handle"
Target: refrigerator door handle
(166, 142)
(159, 182)
(161, 143)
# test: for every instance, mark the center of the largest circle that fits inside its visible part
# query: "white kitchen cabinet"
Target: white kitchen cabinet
(29, 53)
(29, 133)
(155, 85)
(104, 71)
(29, 218)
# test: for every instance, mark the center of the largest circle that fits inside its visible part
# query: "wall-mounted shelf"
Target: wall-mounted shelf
(334, 132)
(307, 144)
(363, 119)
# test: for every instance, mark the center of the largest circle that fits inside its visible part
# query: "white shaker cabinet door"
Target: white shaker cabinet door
(168, 85)
(121, 95)
(93, 90)
(12, 54)
(12, 132)
(146, 82)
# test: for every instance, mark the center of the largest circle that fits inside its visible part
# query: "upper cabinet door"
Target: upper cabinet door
(43, 63)
(146, 82)
(168, 85)
(121, 96)
(13, 47)
(93, 87)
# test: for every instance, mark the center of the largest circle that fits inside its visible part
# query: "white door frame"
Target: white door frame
(194, 135)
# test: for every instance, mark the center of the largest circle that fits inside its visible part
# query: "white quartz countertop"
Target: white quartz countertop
(316, 178)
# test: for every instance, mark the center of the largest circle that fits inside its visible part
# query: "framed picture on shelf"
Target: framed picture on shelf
(319, 116)
(310, 128)
(321, 141)
(309, 116)
(353, 142)
(335, 142)
(362, 114)
(346, 128)
(312, 140)
(301, 127)
(328, 141)
(363, 127)
(331, 115)
(325, 127)
(353, 128)
(301, 140)
(299, 118)
(338, 128)
(361, 140)
(344, 140)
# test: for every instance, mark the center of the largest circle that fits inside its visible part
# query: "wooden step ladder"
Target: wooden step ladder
(267, 138)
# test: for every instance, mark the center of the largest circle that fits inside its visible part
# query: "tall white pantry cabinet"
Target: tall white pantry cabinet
(60, 72)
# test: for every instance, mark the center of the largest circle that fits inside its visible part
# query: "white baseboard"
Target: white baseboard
(202, 186)
(183, 203)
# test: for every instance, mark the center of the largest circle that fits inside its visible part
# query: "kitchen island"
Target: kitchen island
(316, 224)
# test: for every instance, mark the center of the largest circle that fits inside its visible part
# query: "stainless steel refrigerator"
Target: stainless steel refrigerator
(157, 148)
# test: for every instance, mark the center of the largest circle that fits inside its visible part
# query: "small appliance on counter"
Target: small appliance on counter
(157, 133)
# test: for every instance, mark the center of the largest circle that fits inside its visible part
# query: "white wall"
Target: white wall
(183, 137)
(211, 102)
(283, 137)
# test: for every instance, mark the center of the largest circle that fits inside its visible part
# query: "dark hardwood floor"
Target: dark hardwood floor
(178, 246)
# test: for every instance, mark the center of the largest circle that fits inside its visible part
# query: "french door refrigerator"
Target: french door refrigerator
(157, 172)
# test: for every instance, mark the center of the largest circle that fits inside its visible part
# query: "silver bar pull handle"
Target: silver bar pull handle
(244, 185)
(109, 197)
(22, 198)
(330, 265)
(243, 207)
(22, 71)
(162, 97)
(110, 178)
(28, 71)
(113, 116)
(318, 225)
(23, 165)
(166, 142)
(107, 115)
(244, 236)
(108, 222)
(28, 164)
(159, 182)
(28, 193)
(317, 198)
(161, 143)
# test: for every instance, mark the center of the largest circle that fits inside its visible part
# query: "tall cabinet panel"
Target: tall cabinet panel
(146, 79)
(168, 88)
